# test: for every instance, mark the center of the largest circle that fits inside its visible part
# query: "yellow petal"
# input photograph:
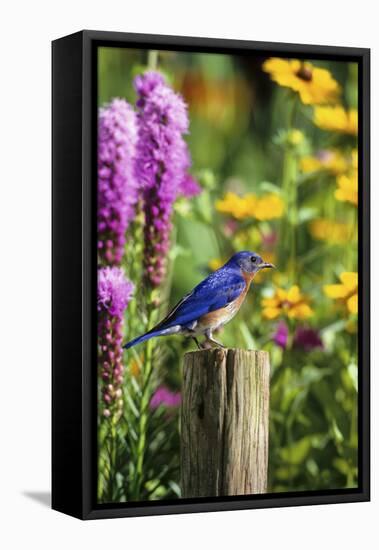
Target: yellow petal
(270, 302)
(336, 119)
(349, 279)
(275, 64)
(271, 312)
(281, 294)
(302, 311)
(215, 264)
(335, 291)
(310, 164)
(293, 295)
(352, 304)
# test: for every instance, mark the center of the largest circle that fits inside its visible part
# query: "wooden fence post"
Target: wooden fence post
(224, 422)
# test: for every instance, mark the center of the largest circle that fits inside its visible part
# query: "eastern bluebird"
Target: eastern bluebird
(212, 303)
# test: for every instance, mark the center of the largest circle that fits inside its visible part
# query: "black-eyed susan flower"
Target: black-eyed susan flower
(336, 119)
(332, 161)
(331, 231)
(289, 303)
(239, 207)
(267, 207)
(346, 292)
(314, 85)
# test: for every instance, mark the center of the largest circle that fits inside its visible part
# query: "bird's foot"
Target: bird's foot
(199, 346)
(208, 343)
(214, 343)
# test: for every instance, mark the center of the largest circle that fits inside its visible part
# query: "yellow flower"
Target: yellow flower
(291, 303)
(215, 264)
(135, 366)
(314, 85)
(336, 119)
(239, 207)
(330, 231)
(347, 188)
(331, 161)
(267, 207)
(346, 291)
(295, 137)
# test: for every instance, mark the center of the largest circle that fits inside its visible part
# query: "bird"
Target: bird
(211, 304)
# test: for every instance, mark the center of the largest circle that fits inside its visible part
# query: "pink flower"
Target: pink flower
(163, 396)
(307, 338)
(281, 335)
(189, 187)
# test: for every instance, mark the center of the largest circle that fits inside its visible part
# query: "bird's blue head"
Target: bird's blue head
(249, 262)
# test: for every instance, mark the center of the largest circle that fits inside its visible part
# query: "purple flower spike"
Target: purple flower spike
(113, 295)
(189, 187)
(163, 396)
(281, 335)
(117, 187)
(307, 338)
(162, 162)
(113, 291)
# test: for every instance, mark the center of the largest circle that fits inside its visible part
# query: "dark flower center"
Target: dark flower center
(304, 73)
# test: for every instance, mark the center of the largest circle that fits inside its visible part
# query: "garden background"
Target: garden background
(273, 148)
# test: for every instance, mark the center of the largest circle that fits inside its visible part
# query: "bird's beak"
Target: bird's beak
(266, 265)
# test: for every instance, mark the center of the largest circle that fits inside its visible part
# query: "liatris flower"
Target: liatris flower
(189, 187)
(113, 295)
(281, 335)
(167, 398)
(307, 338)
(162, 162)
(117, 187)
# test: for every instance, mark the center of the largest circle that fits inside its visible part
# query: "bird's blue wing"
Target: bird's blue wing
(216, 291)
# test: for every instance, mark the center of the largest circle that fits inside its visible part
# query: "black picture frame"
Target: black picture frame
(74, 110)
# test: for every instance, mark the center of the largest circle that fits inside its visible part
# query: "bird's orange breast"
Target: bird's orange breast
(221, 316)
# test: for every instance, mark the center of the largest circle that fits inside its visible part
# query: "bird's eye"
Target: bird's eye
(253, 259)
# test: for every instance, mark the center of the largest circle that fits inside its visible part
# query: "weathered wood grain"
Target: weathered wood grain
(224, 422)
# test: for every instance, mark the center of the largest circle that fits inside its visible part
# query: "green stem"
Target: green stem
(144, 412)
(152, 60)
(107, 461)
(289, 224)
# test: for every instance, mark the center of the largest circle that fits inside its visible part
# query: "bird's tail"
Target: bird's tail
(142, 338)
(164, 331)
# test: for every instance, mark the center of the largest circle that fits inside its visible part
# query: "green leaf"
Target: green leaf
(352, 369)
(297, 452)
(306, 214)
(269, 187)
(247, 336)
